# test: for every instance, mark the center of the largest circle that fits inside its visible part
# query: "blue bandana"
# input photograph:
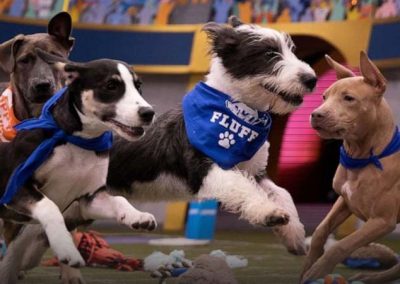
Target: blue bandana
(228, 132)
(351, 163)
(46, 121)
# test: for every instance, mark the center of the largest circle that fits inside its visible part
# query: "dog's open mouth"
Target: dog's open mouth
(293, 99)
(129, 130)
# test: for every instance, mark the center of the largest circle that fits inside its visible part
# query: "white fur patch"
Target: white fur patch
(50, 217)
(239, 193)
(106, 206)
(71, 172)
(127, 108)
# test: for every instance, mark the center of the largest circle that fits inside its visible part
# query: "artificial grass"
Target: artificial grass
(268, 260)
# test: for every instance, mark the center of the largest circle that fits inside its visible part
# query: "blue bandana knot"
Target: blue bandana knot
(351, 163)
(227, 131)
(46, 121)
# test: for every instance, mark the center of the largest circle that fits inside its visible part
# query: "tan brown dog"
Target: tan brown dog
(355, 110)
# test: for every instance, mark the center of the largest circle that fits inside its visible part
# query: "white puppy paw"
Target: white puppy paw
(69, 255)
(138, 220)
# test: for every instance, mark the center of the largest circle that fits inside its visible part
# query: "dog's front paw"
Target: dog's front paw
(139, 220)
(292, 236)
(70, 256)
(278, 217)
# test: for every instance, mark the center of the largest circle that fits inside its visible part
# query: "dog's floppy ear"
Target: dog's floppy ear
(60, 26)
(8, 50)
(341, 71)
(223, 38)
(234, 21)
(71, 70)
(371, 73)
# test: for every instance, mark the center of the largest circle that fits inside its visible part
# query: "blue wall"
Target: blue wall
(385, 41)
(143, 48)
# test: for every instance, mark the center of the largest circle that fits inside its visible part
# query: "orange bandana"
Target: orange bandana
(7, 117)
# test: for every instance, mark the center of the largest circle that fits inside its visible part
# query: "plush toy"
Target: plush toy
(332, 279)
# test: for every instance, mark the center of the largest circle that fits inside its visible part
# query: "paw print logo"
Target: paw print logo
(226, 140)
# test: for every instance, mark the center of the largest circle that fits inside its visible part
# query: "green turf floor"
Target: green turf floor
(268, 261)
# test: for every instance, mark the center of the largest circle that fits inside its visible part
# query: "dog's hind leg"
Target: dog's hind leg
(102, 205)
(379, 277)
(240, 193)
(11, 262)
(292, 234)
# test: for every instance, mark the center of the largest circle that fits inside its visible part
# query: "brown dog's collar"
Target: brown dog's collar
(7, 116)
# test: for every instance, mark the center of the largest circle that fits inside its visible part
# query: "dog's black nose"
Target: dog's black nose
(308, 80)
(146, 114)
(42, 87)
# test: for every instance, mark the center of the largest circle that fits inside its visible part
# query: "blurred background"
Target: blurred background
(163, 41)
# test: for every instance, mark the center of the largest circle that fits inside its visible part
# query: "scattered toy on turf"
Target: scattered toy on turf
(332, 279)
(176, 265)
(97, 253)
(372, 256)
(158, 260)
(233, 261)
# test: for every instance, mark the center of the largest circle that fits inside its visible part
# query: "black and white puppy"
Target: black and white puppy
(103, 95)
(257, 67)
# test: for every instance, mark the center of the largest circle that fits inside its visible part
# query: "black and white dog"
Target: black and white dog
(103, 95)
(257, 69)
(254, 66)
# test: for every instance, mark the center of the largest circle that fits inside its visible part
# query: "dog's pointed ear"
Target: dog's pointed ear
(71, 70)
(341, 71)
(234, 21)
(224, 38)
(371, 73)
(8, 50)
(60, 26)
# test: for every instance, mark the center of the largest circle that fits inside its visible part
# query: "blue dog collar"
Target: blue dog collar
(351, 163)
(26, 169)
(227, 131)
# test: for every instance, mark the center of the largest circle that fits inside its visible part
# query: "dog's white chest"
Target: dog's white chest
(71, 172)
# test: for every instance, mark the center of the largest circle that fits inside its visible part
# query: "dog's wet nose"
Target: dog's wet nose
(309, 80)
(43, 87)
(146, 114)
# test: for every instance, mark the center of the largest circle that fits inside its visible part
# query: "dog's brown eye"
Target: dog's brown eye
(112, 85)
(25, 59)
(323, 97)
(138, 86)
(348, 98)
